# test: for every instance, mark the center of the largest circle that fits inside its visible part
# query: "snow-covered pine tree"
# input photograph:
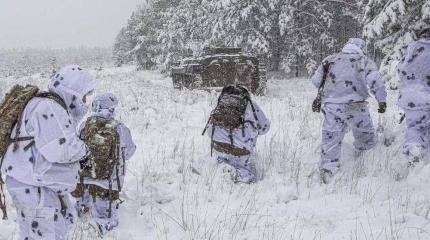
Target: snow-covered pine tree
(162, 31)
(121, 48)
(250, 24)
(390, 25)
(185, 30)
(145, 31)
(315, 29)
(127, 39)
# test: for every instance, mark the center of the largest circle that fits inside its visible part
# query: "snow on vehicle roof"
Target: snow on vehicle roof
(228, 55)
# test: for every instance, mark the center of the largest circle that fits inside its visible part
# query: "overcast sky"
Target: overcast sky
(62, 23)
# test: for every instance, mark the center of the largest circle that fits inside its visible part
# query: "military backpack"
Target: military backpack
(101, 137)
(229, 114)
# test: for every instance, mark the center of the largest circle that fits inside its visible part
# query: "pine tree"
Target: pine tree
(316, 29)
(243, 24)
(127, 39)
(121, 48)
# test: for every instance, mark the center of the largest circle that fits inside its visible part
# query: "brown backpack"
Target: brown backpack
(101, 137)
(229, 114)
(11, 109)
(231, 107)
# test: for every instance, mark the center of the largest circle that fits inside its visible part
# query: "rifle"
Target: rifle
(316, 104)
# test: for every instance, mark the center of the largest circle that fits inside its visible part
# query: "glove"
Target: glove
(382, 107)
(87, 161)
(85, 164)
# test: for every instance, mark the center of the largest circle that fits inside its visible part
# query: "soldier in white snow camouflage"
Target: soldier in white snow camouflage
(351, 74)
(104, 209)
(235, 146)
(414, 98)
(40, 178)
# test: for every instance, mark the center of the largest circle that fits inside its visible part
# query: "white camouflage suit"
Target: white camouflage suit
(38, 177)
(245, 169)
(414, 98)
(104, 106)
(350, 76)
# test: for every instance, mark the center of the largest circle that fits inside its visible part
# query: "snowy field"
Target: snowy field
(174, 190)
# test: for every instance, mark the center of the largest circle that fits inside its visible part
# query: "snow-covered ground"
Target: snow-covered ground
(174, 190)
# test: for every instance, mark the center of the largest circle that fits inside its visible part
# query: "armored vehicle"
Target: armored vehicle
(219, 67)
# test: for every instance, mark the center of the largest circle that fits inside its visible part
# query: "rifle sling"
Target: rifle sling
(326, 66)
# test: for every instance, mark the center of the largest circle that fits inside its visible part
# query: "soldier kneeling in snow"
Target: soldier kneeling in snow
(348, 77)
(42, 163)
(233, 128)
(414, 98)
(111, 144)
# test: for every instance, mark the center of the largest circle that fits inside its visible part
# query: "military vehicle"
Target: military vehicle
(219, 67)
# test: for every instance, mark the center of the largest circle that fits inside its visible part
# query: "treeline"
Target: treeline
(29, 61)
(289, 35)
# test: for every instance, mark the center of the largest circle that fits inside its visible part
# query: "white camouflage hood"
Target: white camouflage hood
(355, 45)
(104, 105)
(72, 83)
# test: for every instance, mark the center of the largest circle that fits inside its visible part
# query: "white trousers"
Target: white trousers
(245, 169)
(418, 130)
(99, 210)
(39, 211)
(338, 118)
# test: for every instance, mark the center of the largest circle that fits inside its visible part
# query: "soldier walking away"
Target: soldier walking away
(42, 152)
(344, 80)
(111, 143)
(414, 98)
(233, 128)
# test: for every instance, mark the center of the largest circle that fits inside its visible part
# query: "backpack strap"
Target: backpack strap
(254, 112)
(63, 205)
(206, 126)
(2, 199)
(231, 137)
(210, 116)
(212, 139)
(21, 139)
(118, 183)
(48, 95)
(120, 154)
(110, 192)
(17, 138)
(53, 96)
(326, 66)
(123, 159)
